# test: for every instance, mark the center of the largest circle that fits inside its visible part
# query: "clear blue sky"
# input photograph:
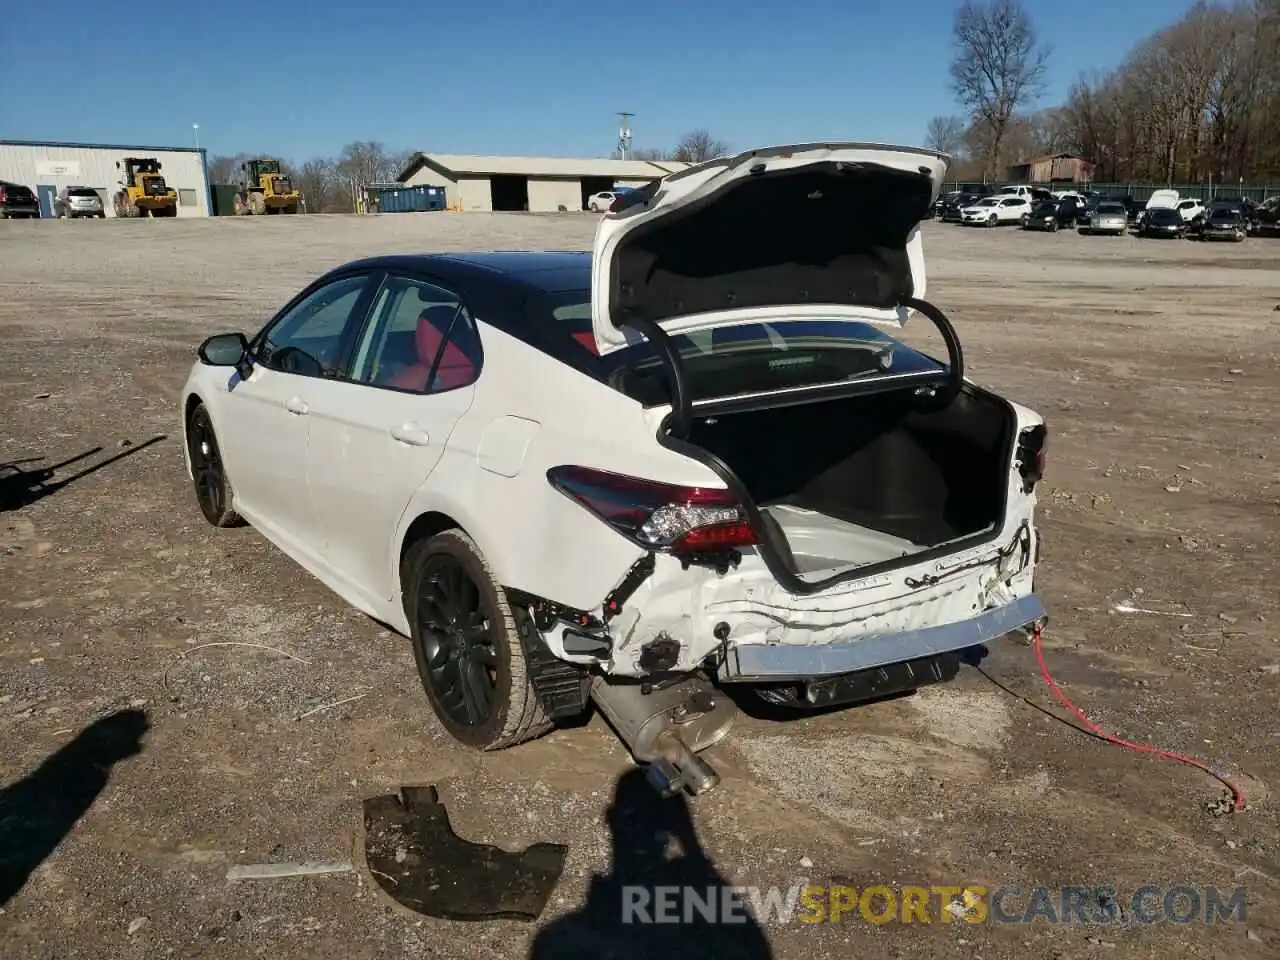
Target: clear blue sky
(533, 77)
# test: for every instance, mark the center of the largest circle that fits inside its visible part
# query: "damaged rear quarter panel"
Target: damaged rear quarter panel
(534, 538)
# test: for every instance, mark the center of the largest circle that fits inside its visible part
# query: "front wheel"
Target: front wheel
(1053, 226)
(213, 487)
(467, 644)
(993, 220)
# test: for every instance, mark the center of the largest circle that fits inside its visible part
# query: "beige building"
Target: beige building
(536, 184)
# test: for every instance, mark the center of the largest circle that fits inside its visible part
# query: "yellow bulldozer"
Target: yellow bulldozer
(264, 189)
(143, 192)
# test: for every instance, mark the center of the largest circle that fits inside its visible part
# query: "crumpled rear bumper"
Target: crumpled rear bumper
(777, 662)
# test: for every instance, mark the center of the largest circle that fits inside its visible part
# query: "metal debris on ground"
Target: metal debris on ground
(274, 871)
(417, 859)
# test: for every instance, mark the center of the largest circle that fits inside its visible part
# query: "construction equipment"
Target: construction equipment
(143, 191)
(264, 189)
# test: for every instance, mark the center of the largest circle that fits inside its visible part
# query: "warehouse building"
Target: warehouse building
(536, 184)
(48, 166)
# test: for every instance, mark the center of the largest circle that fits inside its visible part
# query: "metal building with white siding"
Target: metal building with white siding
(538, 184)
(46, 166)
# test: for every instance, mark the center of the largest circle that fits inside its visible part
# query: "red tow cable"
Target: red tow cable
(1237, 795)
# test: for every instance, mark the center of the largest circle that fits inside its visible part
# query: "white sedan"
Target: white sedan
(993, 211)
(693, 459)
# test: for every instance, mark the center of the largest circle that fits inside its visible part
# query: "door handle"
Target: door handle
(297, 405)
(411, 434)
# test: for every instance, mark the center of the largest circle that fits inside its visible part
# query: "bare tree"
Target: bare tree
(643, 153)
(999, 66)
(224, 170)
(322, 187)
(946, 135)
(697, 146)
(368, 161)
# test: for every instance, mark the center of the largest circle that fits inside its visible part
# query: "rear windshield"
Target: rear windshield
(1111, 207)
(745, 359)
(1165, 215)
(83, 192)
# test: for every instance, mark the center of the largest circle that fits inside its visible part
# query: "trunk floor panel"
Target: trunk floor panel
(819, 542)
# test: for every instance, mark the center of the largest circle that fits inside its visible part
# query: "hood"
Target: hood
(781, 233)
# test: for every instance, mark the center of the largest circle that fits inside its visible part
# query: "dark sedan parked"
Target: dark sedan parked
(1162, 222)
(1225, 223)
(1050, 215)
(950, 208)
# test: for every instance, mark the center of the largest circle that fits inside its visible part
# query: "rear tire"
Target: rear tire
(467, 645)
(209, 475)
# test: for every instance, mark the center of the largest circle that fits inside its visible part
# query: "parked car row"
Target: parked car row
(1164, 214)
(19, 202)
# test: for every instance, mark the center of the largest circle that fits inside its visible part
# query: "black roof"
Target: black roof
(544, 271)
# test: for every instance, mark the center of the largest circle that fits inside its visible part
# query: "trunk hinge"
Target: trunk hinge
(955, 354)
(681, 409)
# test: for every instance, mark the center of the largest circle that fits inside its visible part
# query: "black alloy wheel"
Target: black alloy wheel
(213, 490)
(457, 642)
(468, 644)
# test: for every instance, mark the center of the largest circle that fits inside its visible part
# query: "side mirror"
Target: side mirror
(224, 350)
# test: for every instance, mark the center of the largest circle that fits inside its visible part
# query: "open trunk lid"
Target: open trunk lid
(782, 233)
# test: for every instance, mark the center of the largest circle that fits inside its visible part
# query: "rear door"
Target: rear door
(781, 233)
(379, 429)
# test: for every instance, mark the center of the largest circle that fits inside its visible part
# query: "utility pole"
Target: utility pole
(624, 133)
(195, 128)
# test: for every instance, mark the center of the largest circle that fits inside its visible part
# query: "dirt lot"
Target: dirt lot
(1155, 363)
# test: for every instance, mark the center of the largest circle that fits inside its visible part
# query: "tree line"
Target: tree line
(1198, 99)
(333, 184)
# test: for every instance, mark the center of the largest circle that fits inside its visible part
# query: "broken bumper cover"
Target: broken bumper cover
(774, 662)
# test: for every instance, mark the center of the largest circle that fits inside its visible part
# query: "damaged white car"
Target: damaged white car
(691, 460)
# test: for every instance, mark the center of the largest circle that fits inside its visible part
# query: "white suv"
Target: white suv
(993, 211)
(693, 459)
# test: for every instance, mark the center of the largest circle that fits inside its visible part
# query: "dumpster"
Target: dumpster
(411, 199)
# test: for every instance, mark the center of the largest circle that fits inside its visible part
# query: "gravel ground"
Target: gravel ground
(1155, 363)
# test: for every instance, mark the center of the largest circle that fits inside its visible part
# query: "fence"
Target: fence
(1143, 191)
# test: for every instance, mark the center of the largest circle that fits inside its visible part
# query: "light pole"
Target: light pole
(195, 128)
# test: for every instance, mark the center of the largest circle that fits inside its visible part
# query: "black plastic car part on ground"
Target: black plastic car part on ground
(416, 858)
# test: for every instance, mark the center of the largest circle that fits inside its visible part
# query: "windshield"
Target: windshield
(741, 360)
(1223, 216)
(988, 202)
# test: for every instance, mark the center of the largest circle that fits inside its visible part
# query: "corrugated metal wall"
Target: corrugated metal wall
(94, 166)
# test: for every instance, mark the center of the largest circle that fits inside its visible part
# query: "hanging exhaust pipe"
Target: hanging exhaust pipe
(666, 728)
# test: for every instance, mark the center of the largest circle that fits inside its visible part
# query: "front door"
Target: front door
(47, 195)
(378, 434)
(265, 442)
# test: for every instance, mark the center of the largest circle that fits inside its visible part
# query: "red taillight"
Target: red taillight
(3, 195)
(659, 516)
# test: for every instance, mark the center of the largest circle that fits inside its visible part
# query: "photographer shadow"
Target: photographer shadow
(655, 846)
